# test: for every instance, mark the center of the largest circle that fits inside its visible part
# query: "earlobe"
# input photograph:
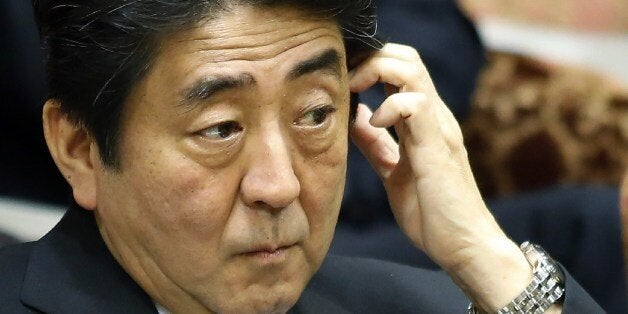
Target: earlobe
(73, 151)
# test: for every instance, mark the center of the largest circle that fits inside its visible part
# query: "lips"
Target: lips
(268, 249)
(268, 254)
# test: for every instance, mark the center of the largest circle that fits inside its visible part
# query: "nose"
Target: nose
(270, 181)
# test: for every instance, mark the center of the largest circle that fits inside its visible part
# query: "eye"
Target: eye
(221, 131)
(316, 116)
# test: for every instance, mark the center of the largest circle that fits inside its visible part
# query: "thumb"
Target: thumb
(376, 144)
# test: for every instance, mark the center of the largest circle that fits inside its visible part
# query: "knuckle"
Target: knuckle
(407, 50)
(411, 52)
(404, 51)
(421, 70)
(404, 103)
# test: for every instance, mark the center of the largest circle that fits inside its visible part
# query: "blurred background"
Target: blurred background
(539, 87)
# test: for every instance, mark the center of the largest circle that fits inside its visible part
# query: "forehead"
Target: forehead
(251, 33)
(265, 42)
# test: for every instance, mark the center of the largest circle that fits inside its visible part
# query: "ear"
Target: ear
(74, 152)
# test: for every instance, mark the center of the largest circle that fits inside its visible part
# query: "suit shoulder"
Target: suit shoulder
(378, 286)
(13, 263)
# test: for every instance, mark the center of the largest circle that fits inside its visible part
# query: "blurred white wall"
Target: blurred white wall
(27, 221)
(603, 52)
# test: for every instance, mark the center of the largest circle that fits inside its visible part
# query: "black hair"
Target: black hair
(97, 50)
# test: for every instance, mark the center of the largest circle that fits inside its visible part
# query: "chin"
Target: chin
(262, 304)
(277, 297)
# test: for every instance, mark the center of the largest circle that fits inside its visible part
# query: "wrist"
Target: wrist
(492, 272)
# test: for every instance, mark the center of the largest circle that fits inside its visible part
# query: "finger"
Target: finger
(405, 75)
(376, 144)
(396, 108)
(401, 52)
(416, 118)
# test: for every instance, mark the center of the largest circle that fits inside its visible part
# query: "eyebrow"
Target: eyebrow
(328, 61)
(206, 87)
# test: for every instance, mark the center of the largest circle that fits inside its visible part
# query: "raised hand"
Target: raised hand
(428, 180)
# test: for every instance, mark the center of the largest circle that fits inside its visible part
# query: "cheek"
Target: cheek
(187, 207)
(322, 186)
(192, 200)
(182, 206)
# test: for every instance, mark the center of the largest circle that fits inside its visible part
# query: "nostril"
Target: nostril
(261, 205)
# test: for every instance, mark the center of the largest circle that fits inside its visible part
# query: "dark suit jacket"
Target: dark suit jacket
(70, 270)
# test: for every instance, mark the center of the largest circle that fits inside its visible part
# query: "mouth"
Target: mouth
(269, 255)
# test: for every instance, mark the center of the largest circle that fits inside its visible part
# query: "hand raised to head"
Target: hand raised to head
(428, 179)
(427, 175)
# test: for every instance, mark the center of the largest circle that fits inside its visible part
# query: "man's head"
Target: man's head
(96, 51)
(213, 151)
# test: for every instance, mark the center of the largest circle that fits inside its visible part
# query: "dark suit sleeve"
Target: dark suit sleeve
(576, 299)
(360, 285)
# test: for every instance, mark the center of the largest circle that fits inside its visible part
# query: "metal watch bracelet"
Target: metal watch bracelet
(547, 286)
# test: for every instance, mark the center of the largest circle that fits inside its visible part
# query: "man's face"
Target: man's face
(233, 157)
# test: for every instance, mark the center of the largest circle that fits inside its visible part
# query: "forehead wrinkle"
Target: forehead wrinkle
(245, 47)
(234, 24)
(219, 34)
(254, 53)
(183, 99)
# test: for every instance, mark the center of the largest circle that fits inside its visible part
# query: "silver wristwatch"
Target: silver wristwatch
(547, 286)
